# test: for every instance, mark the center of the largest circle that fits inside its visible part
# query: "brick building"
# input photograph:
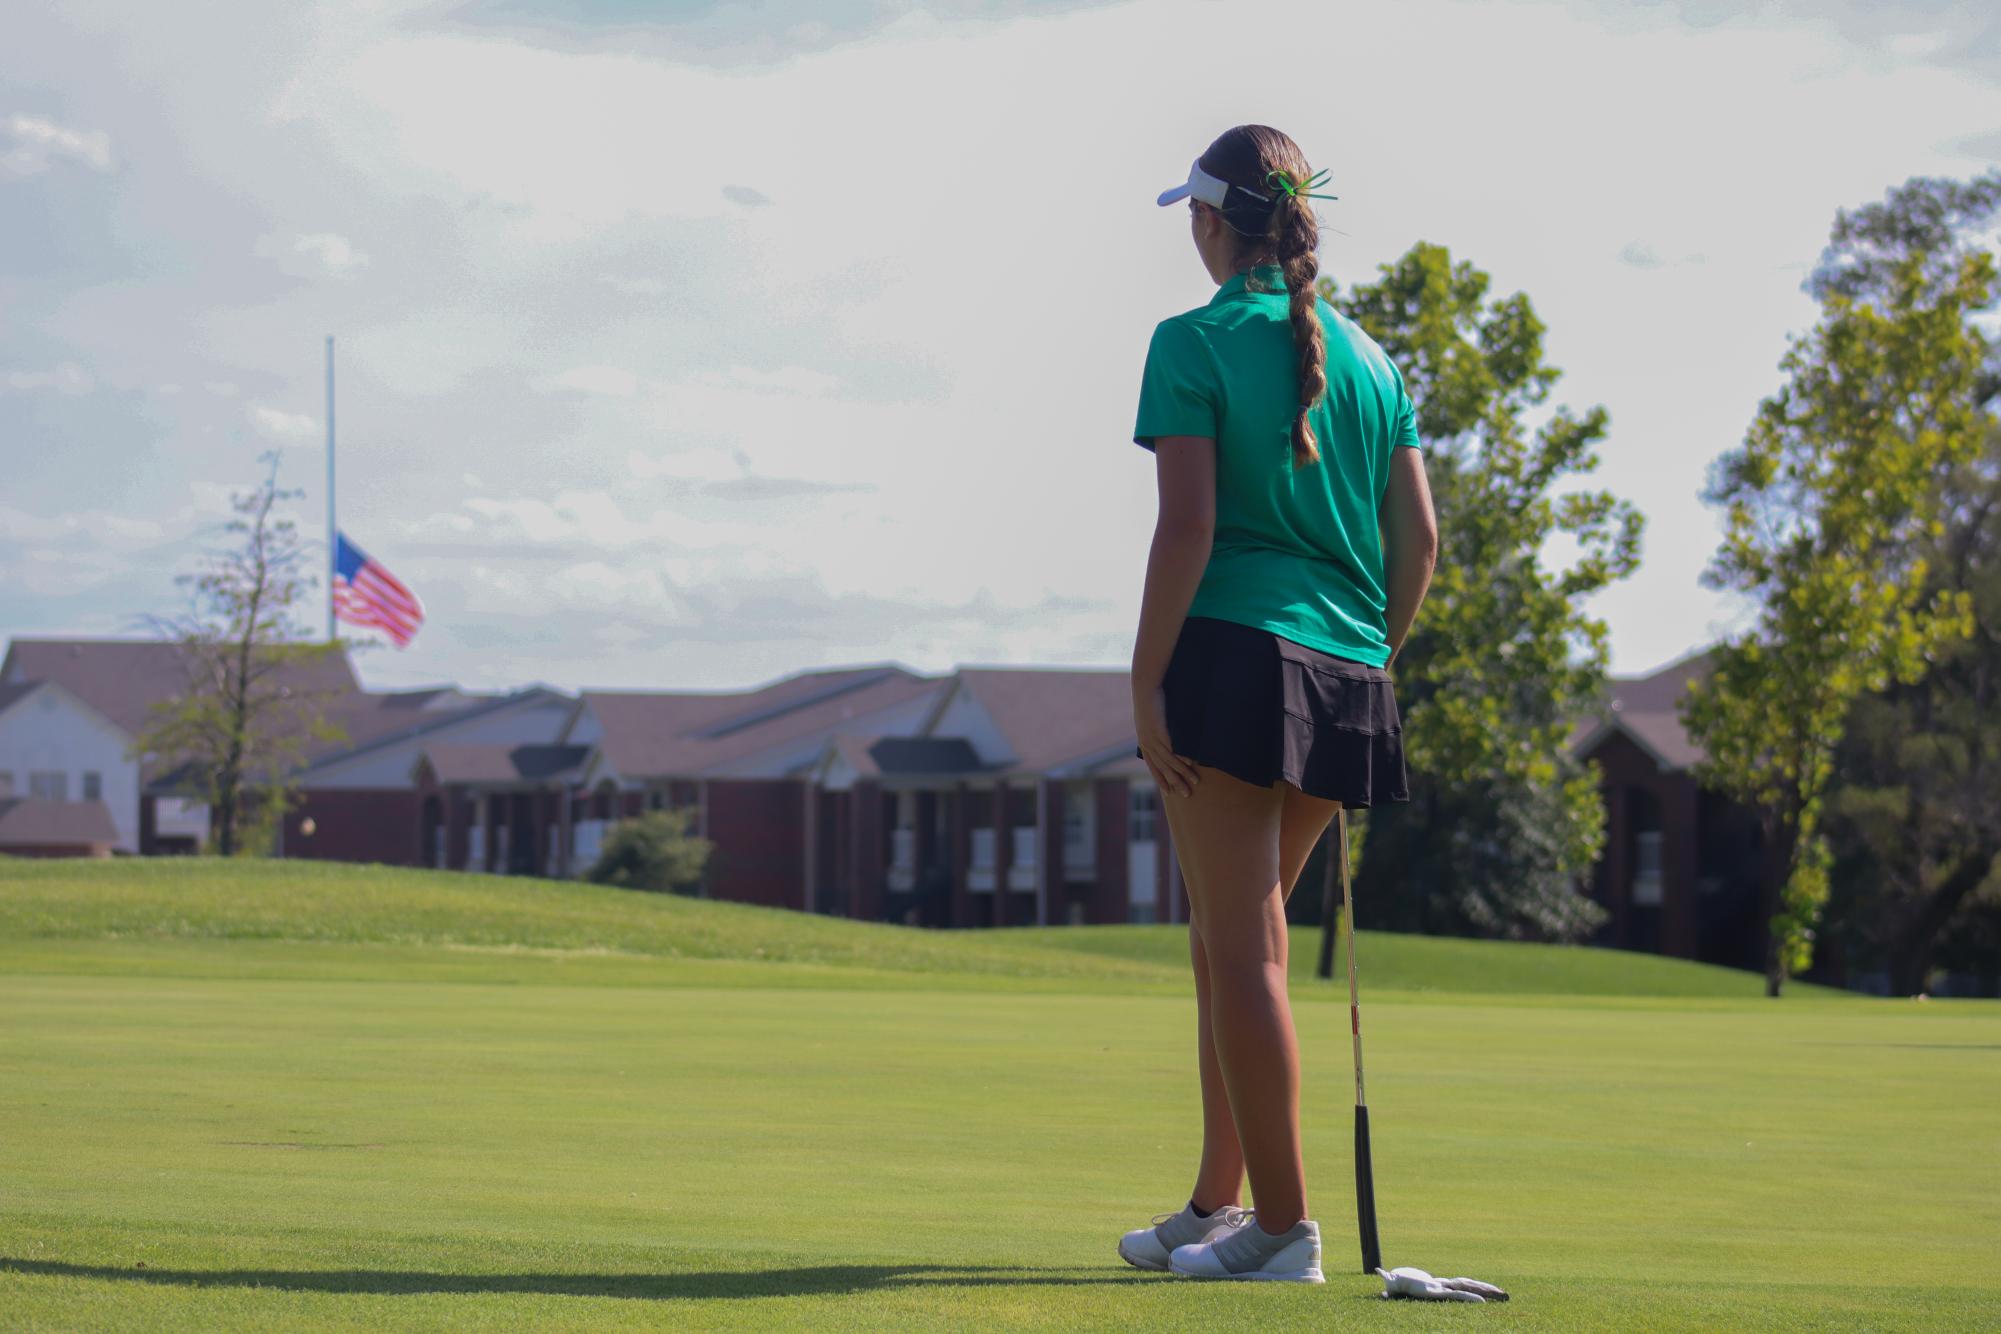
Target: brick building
(1679, 873)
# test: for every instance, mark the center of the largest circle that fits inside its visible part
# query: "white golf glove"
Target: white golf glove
(1408, 1282)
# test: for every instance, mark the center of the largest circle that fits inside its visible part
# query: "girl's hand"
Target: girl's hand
(1170, 771)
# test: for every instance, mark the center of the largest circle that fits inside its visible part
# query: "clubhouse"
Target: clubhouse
(985, 796)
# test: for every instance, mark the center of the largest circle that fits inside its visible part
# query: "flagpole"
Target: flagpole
(333, 534)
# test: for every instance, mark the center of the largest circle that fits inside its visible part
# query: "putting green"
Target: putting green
(256, 1096)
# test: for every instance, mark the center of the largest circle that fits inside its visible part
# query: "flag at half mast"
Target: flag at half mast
(364, 593)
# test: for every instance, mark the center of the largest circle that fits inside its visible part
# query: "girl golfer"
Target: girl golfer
(1294, 544)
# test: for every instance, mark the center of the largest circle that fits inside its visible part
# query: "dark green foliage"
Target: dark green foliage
(1915, 813)
(1478, 858)
(654, 851)
(1504, 656)
(1832, 507)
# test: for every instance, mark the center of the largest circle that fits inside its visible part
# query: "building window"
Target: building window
(1647, 868)
(1143, 814)
(49, 786)
(93, 787)
(1080, 827)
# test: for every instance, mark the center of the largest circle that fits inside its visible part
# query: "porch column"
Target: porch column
(869, 837)
(809, 843)
(1049, 877)
(454, 858)
(1112, 899)
(959, 853)
(1680, 926)
(1003, 852)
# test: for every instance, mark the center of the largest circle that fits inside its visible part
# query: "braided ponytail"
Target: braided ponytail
(1283, 230)
(1298, 238)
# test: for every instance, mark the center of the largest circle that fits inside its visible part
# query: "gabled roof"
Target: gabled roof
(500, 762)
(378, 721)
(655, 734)
(28, 822)
(123, 678)
(1052, 716)
(1645, 709)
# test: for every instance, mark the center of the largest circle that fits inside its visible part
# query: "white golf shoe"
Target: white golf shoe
(1149, 1247)
(1249, 1252)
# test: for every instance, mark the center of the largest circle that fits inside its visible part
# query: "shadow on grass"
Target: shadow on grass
(1926, 1046)
(803, 1281)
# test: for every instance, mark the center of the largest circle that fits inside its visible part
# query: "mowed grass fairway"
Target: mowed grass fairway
(286, 1095)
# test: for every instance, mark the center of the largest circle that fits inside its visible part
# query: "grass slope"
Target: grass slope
(253, 1097)
(325, 903)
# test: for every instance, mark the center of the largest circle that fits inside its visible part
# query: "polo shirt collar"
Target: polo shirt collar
(1270, 277)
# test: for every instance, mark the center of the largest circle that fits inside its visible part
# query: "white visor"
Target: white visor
(1201, 185)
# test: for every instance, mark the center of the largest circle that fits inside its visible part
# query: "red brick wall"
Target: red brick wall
(759, 830)
(358, 825)
(1623, 766)
(871, 834)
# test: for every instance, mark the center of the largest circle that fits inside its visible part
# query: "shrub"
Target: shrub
(653, 851)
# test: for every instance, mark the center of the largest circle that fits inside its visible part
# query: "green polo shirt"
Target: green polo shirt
(1297, 553)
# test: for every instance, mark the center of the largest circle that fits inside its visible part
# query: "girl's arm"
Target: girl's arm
(1185, 469)
(1410, 542)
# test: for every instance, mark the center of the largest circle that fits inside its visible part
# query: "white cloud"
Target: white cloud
(282, 425)
(664, 387)
(30, 145)
(66, 378)
(313, 255)
(785, 379)
(612, 380)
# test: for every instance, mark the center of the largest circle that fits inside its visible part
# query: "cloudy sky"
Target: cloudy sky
(692, 344)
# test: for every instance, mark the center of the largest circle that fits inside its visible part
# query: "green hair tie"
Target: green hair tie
(1282, 180)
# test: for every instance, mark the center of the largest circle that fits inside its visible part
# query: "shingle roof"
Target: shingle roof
(651, 734)
(123, 678)
(1645, 707)
(1053, 715)
(500, 762)
(28, 822)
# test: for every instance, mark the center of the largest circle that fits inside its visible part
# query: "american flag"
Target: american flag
(366, 594)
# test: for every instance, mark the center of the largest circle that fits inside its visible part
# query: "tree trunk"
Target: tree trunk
(1775, 864)
(1910, 956)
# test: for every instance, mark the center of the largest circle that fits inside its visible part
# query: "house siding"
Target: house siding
(356, 825)
(760, 841)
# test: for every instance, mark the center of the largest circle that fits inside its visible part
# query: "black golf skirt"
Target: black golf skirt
(1263, 708)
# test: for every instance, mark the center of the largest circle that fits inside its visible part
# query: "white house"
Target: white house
(55, 747)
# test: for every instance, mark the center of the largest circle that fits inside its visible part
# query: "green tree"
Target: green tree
(1915, 810)
(654, 851)
(1503, 822)
(1830, 505)
(241, 725)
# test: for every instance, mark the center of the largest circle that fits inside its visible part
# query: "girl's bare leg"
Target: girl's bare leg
(1228, 838)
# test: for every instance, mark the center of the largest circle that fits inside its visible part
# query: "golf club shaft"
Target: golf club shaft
(1365, 1176)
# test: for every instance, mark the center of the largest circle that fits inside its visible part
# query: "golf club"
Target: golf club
(1365, 1180)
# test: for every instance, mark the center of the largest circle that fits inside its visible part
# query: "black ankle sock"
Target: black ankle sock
(1199, 1213)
